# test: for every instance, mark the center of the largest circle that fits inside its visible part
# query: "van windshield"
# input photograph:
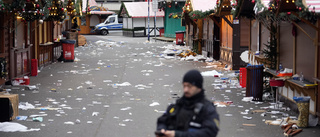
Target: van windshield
(110, 20)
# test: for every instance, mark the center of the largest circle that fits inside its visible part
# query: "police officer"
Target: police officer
(192, 115)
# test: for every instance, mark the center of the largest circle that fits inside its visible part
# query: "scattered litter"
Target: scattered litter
(127, 120)
(159, 111)
(249, 125)
(127, 108)
(276, 122)
(38, 119)
(89, 122)
(78, 121)
(79, 87)
(96, 103)
(228, 115)
(95, 113)
(258, 103)
(47, 108)
(88, 82)
(211, 73)
(121, 124)
(69, 123)
(154, 104)
(40, 115)
(21, 117)
(220, 104)
(140, 86)
(247, 99)
(123, 84)
(25, 106)
(15, 127)
(69, 132)
(245, 113)
(248, 118)
(107, 81)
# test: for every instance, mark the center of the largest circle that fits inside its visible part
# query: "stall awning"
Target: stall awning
(203, 5)
(139, 10)
(265, 3)
(95, 9)
(313, 4)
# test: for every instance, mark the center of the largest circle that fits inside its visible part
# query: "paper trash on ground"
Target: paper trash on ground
(15, 127)
(25, 106)
(211, 73)
(123, 84)
(154, 104)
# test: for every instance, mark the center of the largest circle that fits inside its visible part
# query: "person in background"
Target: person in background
(192, 115)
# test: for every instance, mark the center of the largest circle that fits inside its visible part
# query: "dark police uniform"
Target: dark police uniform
(191, 117)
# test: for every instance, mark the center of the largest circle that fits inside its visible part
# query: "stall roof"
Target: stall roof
(94, 3)
(140, 10)
(313, 3)
(307, 3)
(203, 5)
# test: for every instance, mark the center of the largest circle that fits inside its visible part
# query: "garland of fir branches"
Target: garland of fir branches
(200, 14)
(176, 15)
(303, 12)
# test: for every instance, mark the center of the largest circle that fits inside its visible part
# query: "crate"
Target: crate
(14, 99)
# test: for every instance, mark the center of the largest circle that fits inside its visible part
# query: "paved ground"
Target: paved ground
(87, 86)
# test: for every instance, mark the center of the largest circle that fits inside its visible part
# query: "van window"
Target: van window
(111, 19)
(120, 20)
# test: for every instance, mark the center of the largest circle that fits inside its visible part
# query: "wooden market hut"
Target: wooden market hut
(92, 16)
(135, 19)
(6, 43)
(199, 36)
(172, 23)
(297, 40)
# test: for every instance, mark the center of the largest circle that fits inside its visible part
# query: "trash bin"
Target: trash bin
(254, 84)
(243, 77)
(303, 104)
(73, 35)
(34, 67)
(68, 50)
(180, 37)
(161, 31)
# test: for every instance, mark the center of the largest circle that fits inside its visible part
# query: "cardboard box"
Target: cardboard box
(14, 99)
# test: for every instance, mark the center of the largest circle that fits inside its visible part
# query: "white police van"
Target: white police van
(113, 22)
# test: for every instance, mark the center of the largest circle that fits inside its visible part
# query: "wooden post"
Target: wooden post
(316, 53)
(294, 54)
(187, 21)
(317, 69)
(36, 40)
(200, 36)
(278, 46)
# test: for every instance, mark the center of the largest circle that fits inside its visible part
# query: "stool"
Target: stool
(276, 83)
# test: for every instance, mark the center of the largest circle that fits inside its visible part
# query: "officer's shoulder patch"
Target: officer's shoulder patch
(216, 121)
(171, 110)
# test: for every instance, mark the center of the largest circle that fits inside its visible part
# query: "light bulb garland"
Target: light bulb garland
(71, 8)
(56, 11)
(32, 10)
